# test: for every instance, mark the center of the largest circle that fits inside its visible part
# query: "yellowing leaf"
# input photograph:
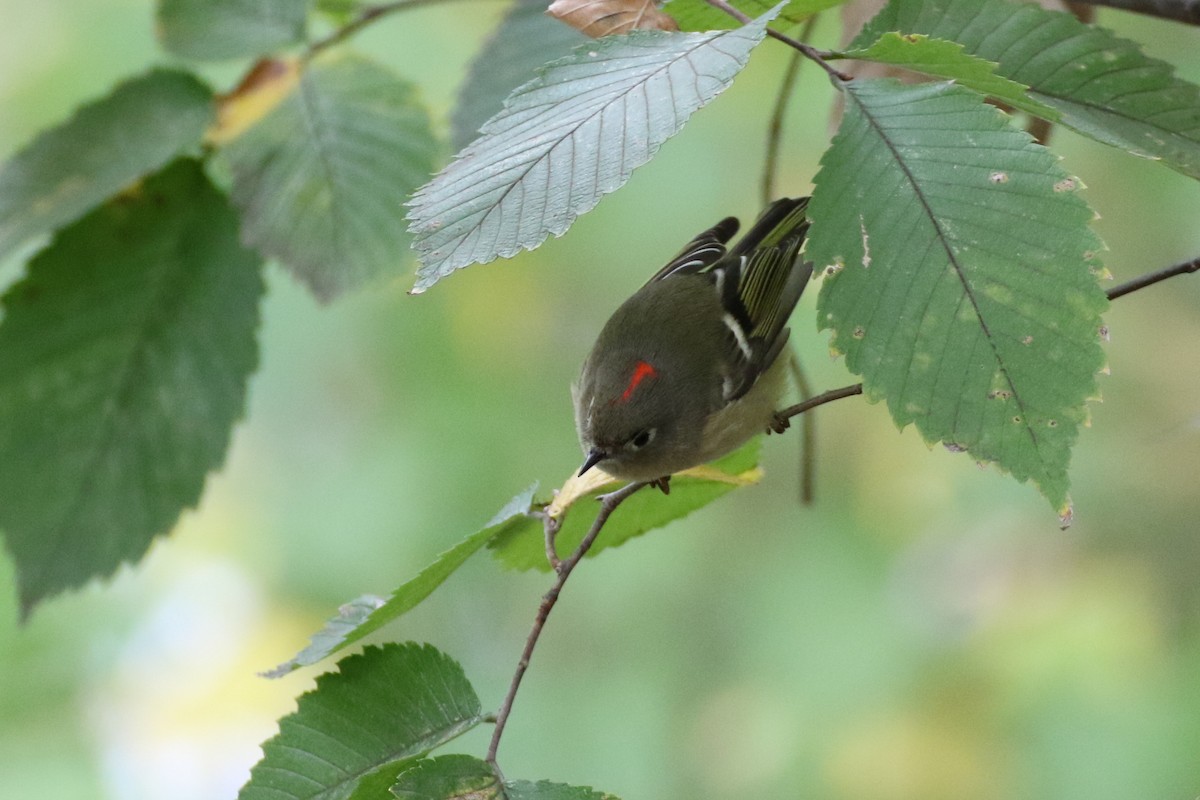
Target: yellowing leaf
(263, 88)
(598, 18)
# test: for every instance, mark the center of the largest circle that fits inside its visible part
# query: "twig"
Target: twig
(775, 128)
(1151, 278)
(808, 435)
(550, 526)
(819, 400)
(810, 52)
(608, 504)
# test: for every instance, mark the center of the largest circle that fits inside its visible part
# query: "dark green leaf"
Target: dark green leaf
(124, 357)
(1103, 86)
(947, 60)
(960, 276)
(525, 40)
(367, 614)
(218, 29)
(322, 179)
(384, 706)
(459, 777)
(566, 139)
(698, 15)
(69, 170)
(521, 545)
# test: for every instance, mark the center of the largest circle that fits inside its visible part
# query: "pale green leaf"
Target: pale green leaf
(367, 614)
(124, 356)
(72, 168)
(447, 777)
(567, 138)
(526, 39)
(459, 777)
(1102, 85)
(322, 179)
(948, 60)
(521, 546)
(698, 15)
(960, 276)
(219, 29)
(384, 706)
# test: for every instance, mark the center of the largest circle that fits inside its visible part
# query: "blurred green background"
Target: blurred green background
(924, 631)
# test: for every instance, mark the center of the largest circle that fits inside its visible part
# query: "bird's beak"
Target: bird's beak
(594, 457)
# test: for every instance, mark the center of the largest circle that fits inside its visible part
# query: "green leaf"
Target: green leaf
(698, 15)
(526, 39)
(960, 276)
(466, 778)
(368, 613)
(69, 170)
(453, 776)
(1103, 86)
(567, 138)
(377, 784)
(322, 179)
(124, 356)
(219, 29)
(384, 706)
(947, 60)
(521, 545)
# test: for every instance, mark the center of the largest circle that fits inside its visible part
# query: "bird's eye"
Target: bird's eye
(641, 439)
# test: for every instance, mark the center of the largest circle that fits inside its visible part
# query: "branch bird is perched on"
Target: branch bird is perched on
(688, 368)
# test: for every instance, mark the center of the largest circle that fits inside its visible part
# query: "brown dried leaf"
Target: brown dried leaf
(598, 18)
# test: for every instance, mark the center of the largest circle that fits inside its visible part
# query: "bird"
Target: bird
(689, 368)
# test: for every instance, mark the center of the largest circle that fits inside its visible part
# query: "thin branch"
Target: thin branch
(608, 504)
(808, 434)
(1151, 278)
(810, 52)
(819, 400)
(775, 128)
(550, 527)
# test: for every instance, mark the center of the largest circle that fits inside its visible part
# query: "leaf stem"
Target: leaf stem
(608, 504)
(1151, 278)
(810, 52)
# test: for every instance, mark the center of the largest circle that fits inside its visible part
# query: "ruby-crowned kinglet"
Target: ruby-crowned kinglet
(688, 368)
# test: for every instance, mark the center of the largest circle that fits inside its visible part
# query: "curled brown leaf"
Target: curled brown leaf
(598, 18)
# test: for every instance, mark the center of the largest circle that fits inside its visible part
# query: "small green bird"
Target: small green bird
(688, 368)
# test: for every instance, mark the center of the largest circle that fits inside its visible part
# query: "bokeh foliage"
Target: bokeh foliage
(921, 634)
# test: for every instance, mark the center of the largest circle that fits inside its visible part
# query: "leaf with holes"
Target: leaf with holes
(945, 59)
(525, 40)
(567, 138)
(321, 180)
(1102, 85)
(383, 707)
(960, 276)
(124, 356)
